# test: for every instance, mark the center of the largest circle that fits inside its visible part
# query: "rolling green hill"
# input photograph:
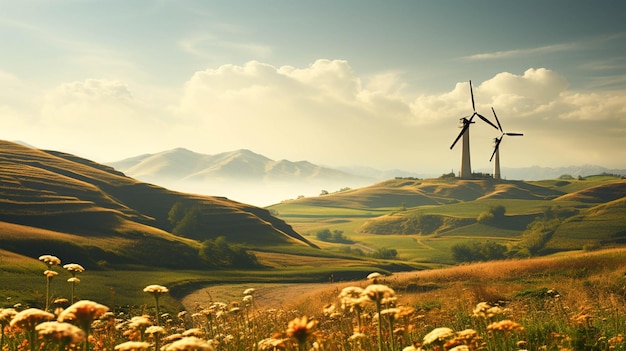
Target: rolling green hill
(55, 203)
(436, 214)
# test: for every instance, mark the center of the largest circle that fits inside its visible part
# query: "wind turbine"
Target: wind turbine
(496, 148)
(466, 167)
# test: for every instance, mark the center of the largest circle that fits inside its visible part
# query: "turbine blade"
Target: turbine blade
(495, 148)
(486, 120)
(472, 94)
(465, 126)
(498, 121)
(514, 134)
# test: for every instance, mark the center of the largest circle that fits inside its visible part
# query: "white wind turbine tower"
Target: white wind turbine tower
(466, 166)
(496, 149)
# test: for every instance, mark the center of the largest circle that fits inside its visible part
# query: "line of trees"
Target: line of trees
(336, 236)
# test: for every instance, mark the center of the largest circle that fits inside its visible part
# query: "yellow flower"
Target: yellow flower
(155, 329)
(6, 314)
(73, 280)
(352, 296)
(133, 346)
(83, 312)
(271, 344)
(139, 322)
(249, 291)
(29, 318)
(378, 292)
(505, 326)
(60, 332)
(301, 328)
(190, 343)
(50, 274)
(438, 335)
(193, 332)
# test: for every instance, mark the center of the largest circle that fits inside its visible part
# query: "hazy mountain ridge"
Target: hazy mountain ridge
(241, 175)
(183, 164)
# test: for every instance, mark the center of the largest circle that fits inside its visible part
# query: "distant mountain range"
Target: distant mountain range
(241, 175)
(253, 178)
(242, 165)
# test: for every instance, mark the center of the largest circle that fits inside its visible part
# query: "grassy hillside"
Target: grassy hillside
(51, 202)
(424, 219)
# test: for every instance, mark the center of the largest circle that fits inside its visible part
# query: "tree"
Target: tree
(323, 234)
(492, 215)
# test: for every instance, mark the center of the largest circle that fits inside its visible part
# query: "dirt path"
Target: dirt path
(266, 295)
(270, 295)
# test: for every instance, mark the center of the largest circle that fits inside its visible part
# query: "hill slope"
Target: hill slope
(425, 218)
(51, 201)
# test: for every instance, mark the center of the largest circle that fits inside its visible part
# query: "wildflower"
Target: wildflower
(50, 260)
(74, 267)
(189, 343)
(328, 309)
(249, 291)
(438, 335)
(460, 348)
(60, 301)
(83, 313)
(156, 291)
(139, 323)
(50, 273)
(351, 297)
(271, 344)
(155, 329)
(172, 337)
(29, 318)
(374, 277)
(467, 337)
(357, 337)
(247, 300)
(404, 312)
(6, 314)
(73, 280)
(505, 326)
(412, 348)
(301, 329)
(60, 332)
(486, 311)
(378, 292)
(132, 346)
(193, 332)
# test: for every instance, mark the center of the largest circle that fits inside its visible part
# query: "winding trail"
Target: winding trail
(272, 295)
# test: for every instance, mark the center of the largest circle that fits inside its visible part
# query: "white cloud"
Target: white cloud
(547, 49)
(326, 113)
(207, 45)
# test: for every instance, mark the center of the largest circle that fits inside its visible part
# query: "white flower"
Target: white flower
(74, 267)
(438, 334)
(50, 260)
(156, 289)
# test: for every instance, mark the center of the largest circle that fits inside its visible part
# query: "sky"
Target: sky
(380, 84)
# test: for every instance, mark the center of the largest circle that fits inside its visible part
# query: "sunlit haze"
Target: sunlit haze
(336, 83)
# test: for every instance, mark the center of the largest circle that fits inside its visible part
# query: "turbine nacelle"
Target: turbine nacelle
(466, 122)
